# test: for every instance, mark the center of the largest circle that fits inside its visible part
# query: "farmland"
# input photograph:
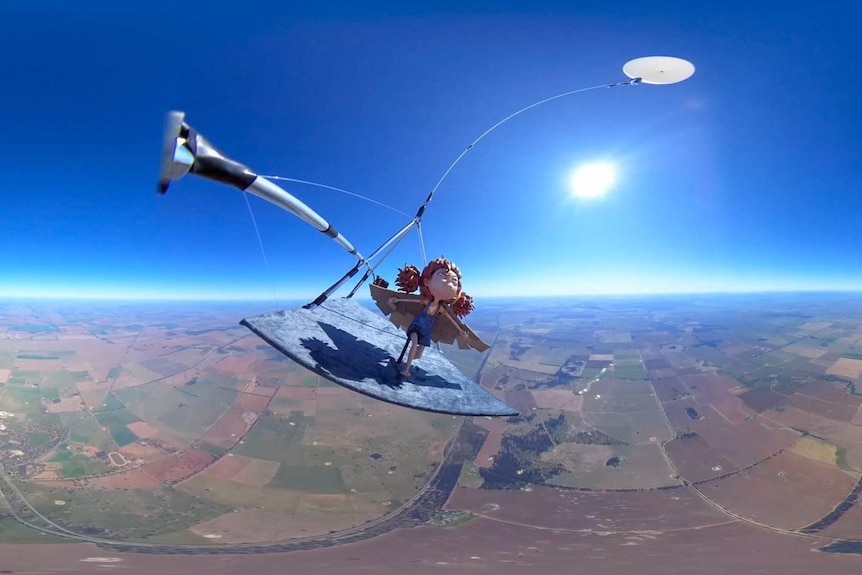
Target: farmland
(627, 408)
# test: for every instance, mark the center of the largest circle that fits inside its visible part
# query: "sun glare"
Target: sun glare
(592, 180)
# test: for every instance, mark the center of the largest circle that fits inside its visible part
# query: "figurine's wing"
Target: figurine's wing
(447, 332)
(403, 312)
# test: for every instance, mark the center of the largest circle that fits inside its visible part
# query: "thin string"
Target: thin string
(262, 250)
(360, 196)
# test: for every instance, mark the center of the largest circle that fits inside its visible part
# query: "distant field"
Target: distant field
(611, 467)
(33, 328)
(21, 399)
(89, 432)
(274, 439)
(308, 478)
(65, 379)
(116, 422)
(126, 515)
(185, 411)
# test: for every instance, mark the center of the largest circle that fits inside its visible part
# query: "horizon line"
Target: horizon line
(262, 299)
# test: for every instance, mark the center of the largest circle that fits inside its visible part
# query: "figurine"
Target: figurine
(435, 314)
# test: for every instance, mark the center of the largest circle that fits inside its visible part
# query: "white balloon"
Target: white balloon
(659, 69)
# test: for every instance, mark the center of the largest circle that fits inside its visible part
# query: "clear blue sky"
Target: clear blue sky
(744, 177)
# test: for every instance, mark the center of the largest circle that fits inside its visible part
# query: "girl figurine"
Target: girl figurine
(435, 314)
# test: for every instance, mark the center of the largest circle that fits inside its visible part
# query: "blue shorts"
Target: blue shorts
(422, 326)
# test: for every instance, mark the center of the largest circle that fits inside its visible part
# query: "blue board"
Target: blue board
(355, 347)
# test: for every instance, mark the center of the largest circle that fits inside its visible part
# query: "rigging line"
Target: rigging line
(372, 269)
(421, 243)
(366, 198)
(262, 251)
(509, 117)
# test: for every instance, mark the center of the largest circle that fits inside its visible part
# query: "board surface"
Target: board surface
(355, 347)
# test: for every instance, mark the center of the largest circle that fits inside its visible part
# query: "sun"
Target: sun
(593, 180)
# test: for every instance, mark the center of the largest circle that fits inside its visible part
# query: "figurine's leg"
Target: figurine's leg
(414, 343)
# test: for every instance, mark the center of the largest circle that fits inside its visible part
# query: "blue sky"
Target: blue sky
(744, 177)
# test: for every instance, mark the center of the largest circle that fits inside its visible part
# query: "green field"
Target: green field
(186, 411)
(116, 422)
(309, 381)
(309, 479)
(125, 515)
(21, 399)
(7, 359)
(632, 371)
(34, 328)
(114, 373)
(82, 466)
(89, 432)
(274, 439)
(65, 378)
(37, 356)
(26, 373)
(110, 404)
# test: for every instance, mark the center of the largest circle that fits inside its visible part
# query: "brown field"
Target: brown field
(533, 366)
(844, 367)
(552, 508)
(822, 408)
(233, 365)
(230, 427)
(677, 415)
(496, 427)
(479, 546)
(762, 398)
(745, 443)
(521, 399)
(256, 398)
(632, 427)
(857, 419)
(657, 363)
(254, 525)
(564, 399)
(137, 450)
(841, 434)
(143, 429)
(227, 492)
(296, 392)
(804, 350)
(226, 466)
(65, 405)
(41, 365)
(764, 492)
(180, 466)
(732, 409)
(133, 479)
(829, 391)
(609, 357)
(708, 387)
(245, 470)
(815, 449)
(695, 459)
(667, 388)
(641, 466)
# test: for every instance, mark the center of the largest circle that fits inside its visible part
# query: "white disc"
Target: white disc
(659, 69)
